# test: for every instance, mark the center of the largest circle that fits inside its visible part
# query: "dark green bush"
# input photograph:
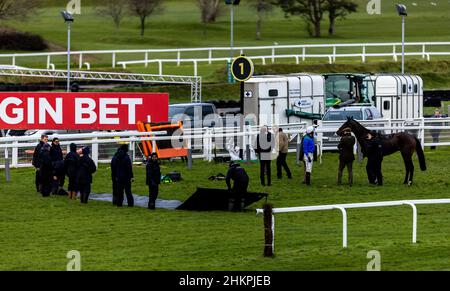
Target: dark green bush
(16, 40)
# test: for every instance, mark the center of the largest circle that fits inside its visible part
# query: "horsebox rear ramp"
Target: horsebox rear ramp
(216, 199)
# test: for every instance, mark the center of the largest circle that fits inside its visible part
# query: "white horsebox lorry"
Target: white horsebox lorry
(398, 96)
(284, 99)
(301, 97)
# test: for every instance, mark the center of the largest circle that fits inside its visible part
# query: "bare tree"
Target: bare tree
(17, 8)
(143, 9)
(262, 7)
(114, 8)
(210, 10)
(310, 10)
(339, 9)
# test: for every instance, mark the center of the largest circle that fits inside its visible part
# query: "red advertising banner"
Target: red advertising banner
(99, 111)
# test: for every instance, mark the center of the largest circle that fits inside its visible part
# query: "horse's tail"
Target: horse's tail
(420, 155)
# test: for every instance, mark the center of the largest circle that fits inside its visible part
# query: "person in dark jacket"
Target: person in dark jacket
(241, 181)
(36, 159)
(153, 179)
(346, 156)
(123, 176)
(71, 166)
(57, 157)
(45, 170)
(113, 176)
(265, 143)
(374, 158)
(86, 169)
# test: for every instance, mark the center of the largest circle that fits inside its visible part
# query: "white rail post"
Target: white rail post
(344, 226)
(113, 59)
(178, 58)
(423, 51)
(160, 67)
(48, 61)
(95, 150)
(297, 59)
(303, 53)
(209, 57)
(414, 208)
(14, 60)
(334, 53)
(80, 61)
(15, 155)
(394, 53)
(364, 54)
(146, 59)
(273, 55)
(195, 68)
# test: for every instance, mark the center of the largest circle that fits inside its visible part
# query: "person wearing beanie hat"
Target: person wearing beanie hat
(57, 157)
(87, 168)
(45, 170)
(153, 179)
(71, 166)
(122, 176)
(346, 156)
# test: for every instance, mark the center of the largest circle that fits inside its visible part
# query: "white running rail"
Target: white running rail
(343, 208)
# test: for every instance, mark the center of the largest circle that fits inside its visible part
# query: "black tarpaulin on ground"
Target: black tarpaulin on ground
(216, 199)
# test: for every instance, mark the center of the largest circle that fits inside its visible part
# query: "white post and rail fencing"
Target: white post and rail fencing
(343, 209)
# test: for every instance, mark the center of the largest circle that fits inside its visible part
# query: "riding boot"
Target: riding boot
(308, 178)
(242, 205)
(231, 204)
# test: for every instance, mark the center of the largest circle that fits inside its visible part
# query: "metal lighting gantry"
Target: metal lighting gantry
(194, 82)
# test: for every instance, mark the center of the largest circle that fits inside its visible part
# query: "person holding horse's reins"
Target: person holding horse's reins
(346, 156)
(374, 158)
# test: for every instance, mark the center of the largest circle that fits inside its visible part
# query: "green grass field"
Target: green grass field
(37, 233)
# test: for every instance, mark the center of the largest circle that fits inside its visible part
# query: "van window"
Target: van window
(273, 93)
(190, 112)
(207, 110)
(386, 105)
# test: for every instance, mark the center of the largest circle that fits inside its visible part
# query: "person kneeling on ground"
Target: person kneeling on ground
(87, 168)
(153, 179)
(241, 180)
(346, 156)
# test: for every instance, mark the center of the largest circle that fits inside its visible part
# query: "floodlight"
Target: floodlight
(401, 9)
(67, 16)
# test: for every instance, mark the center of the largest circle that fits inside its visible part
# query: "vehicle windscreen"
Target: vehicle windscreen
(175, 110)
(342, 115)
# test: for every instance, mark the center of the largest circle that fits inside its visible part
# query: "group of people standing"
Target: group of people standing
(270, 146)
(52, 167)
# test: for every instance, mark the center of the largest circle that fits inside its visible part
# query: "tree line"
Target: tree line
(312, 12)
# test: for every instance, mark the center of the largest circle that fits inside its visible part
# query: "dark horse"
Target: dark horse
(391, 143)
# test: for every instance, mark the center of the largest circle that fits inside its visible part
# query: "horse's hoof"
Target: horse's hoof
(409, 183)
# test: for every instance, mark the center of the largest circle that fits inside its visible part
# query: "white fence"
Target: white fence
(343, 208)
(264, 53)
(207, 143)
